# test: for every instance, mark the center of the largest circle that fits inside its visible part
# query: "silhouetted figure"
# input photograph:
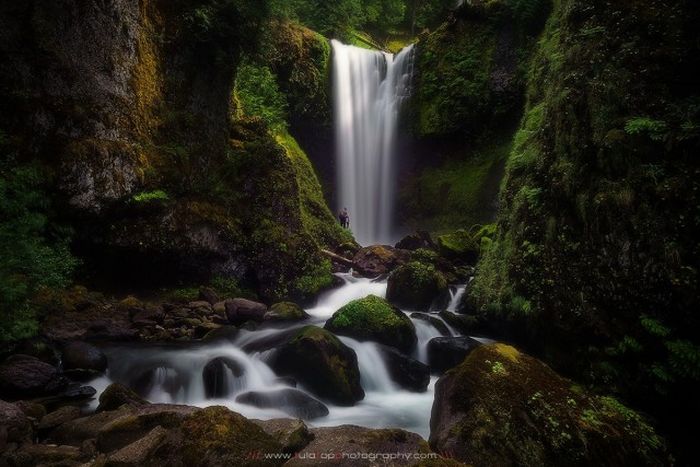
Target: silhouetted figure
(344, 218)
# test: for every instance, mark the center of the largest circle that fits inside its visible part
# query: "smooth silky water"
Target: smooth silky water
(173, 373)
(370, 88)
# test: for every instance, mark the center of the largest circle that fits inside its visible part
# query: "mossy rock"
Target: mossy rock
(286, 311)
(459, 244)
(217, 436)
(502, 407)
(317, 359)
(415, 286)
(373, 318)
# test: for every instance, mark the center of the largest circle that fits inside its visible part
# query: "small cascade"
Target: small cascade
(374, 375)
(353, 289)
(369, 90)
(456, 294)
(424, 332)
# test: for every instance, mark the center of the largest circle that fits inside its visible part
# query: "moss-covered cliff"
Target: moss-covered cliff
(129, 105)
(468, 95)
(595, 260)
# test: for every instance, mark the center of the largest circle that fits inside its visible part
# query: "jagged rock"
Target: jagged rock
(502, 407)
(46, 455)
(216, 378)
(135, 424)
(14, 424)
(317, 359)
(81, 429)
(406, 371)
(373, 318)
(140, 451)
(22, 376)
(83, 356)
(240, 310)
(414, 286)
(292, 434)
(447, 352)
(58, 417)
(290, 401)
(116, 395)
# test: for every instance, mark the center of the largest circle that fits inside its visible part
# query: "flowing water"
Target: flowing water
(174, 373)
(369, 88)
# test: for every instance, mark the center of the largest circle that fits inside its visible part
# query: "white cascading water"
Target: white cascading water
(369, 89)
(174, 373)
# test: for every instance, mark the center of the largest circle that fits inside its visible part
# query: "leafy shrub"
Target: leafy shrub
(33, 252)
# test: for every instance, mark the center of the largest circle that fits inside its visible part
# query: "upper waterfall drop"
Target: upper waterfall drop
(369, 88)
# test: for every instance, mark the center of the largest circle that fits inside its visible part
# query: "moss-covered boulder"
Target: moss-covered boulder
(502, 407)
(373, 318)
(217, 436)
(285, 311)
(459, 244)
(414, 286)
(317, 359)
(116, 395)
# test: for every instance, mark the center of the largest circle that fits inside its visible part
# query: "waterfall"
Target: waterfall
(369, 88)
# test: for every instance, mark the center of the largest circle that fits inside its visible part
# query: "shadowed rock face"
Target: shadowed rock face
(502, 407)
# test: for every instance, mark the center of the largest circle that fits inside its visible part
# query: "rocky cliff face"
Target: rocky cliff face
(595, 262)
(130, 105)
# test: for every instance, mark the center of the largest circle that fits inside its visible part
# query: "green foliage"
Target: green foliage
(259, 95)
(148, 196)
(655, 129)
(220, 28)
(34, 253)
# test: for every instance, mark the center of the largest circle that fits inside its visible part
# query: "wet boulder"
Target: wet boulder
(217, 374)
(141, 451)
(22, 376)
(414, 286)
(415, 241)
(318, 360)
(373, 318)
(406, 371)
(83, 356)
(447, 352)
(375, 260)
(240, 310)
(14, 424)
(290, 401)
(208, 295)
(116, 395)
(502, 407)
(77, 431)
(285, 311)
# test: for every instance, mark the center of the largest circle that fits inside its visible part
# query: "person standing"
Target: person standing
(344, 218)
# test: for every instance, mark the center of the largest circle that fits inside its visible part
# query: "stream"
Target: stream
(173, 373)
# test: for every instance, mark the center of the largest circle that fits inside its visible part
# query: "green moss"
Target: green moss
(415, 286)
(150, 196)
(373, 318)
(457, 192)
